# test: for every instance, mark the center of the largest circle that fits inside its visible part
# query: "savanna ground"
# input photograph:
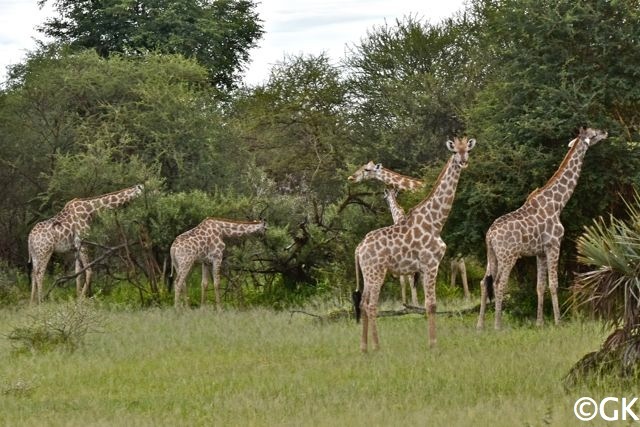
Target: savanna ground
(260, 367)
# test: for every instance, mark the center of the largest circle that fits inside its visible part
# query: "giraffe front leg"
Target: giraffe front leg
(552, 266)
(429, 285)
(204, 283)
(216, 283)
(541, 261)
(403, 286)
(84, 260)
(414, 290)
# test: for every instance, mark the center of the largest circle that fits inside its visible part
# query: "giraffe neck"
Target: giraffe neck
(237, 229)
(399, 181)
(559, 188)
(108, 201)
(435, 208)
(397, 213)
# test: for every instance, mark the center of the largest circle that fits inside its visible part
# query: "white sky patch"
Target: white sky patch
(292, 27)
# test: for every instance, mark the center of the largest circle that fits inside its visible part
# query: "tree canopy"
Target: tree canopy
(217, 33)
(125, 95)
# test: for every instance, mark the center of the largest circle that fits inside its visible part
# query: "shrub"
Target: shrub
(60, 326)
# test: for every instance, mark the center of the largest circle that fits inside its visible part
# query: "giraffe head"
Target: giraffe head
(368, 171)
(461, 148)
(589, 136)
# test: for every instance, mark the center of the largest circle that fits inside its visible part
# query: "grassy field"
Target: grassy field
(159, 367)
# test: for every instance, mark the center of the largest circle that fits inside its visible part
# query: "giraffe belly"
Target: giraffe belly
(62, 246)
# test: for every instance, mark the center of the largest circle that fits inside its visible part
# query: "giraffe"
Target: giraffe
(372, 170)
(397, 181)
(458, 266)
(413, 245)
(534, 229)
(63, 233)
(204, 243)
(397, 213)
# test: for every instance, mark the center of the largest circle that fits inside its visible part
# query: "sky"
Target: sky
(292, 27)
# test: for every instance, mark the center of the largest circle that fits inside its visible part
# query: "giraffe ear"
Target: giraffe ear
(470, 144)
(451, 145)
(378, 166)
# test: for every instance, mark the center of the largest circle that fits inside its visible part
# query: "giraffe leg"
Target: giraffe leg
(552, 266)
(454, 271)
(483, 304)
(372, 309)
(180, 297)
(365, 322)
(216, 282)
(465, 285)
(403, 286)
(501, 284)
(429, 285)
(84, 260)
(414, 290)
(204, 283)
(540, 287)
(37, 276)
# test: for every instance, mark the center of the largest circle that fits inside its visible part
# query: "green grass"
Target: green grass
(199, 367)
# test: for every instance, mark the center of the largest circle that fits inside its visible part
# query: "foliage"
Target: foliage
(59, 326)
(517, 75)
(610, 289)
(551, 66)
(409, 84)
(217, 33)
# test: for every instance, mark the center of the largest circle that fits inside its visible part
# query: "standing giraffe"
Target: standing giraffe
(458, 266)
(64, 232)
(397, 181)
(411, 246)
(205, 244)
(534, 229)
(394, 179)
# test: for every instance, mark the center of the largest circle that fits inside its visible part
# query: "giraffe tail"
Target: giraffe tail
(488, 282)
(171, 278)
(492, 267)
(356, 296)
(29, 268)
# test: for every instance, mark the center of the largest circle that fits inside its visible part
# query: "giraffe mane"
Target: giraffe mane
(407, 177)
(232, 221)
(85, 199)
(558, 171)
(433, 189)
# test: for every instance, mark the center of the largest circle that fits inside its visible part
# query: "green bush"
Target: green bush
(59, 326)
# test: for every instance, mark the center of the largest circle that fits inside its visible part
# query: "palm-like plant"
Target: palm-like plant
(611, 292)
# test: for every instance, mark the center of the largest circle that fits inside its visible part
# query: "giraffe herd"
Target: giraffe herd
(412, 244)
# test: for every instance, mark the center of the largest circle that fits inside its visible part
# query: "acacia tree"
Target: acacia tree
(76, 125)
(552, 66)
(408, 85)
(218, 33)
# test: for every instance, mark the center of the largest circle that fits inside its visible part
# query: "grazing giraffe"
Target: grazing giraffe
(394, 179)
(411, 246)
(64, 232)
(534, 229)
(204, 243)
(458, 266)
(398, 181)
